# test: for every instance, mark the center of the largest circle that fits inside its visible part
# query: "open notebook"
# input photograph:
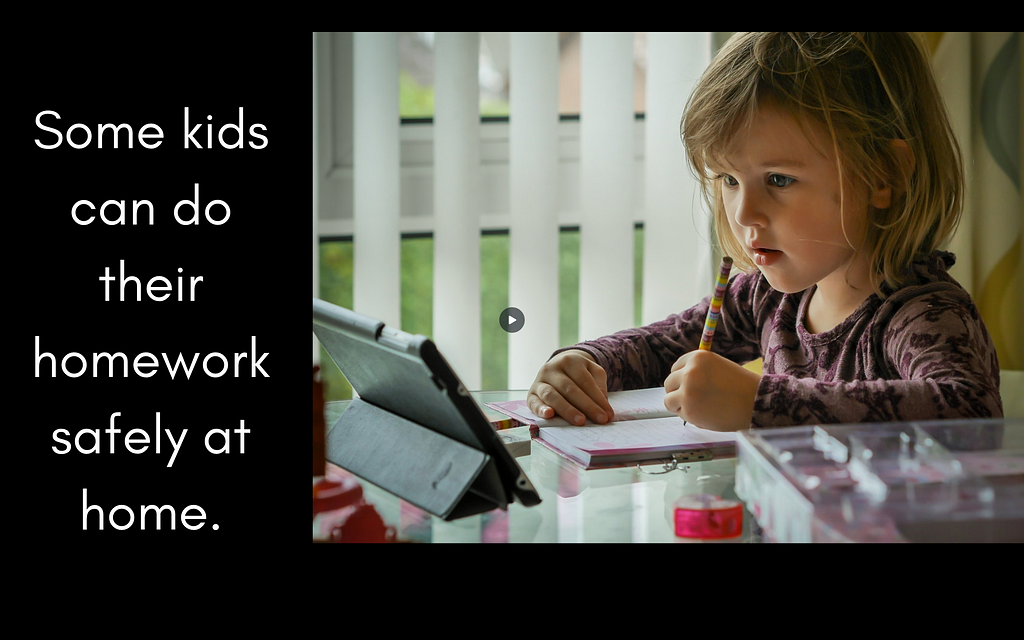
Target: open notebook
(643, 431)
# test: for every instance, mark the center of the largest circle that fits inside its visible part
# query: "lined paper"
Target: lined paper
(628, 405)
(635, 434)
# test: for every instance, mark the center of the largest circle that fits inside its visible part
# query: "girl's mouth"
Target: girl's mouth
(766, 257)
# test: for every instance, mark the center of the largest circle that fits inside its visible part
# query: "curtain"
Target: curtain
(980, 77)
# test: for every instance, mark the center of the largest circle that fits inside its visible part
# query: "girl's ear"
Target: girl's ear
(881, 196)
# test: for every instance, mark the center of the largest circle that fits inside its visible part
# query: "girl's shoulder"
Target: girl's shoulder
(934, 267)
(928, 296)
(928, 274)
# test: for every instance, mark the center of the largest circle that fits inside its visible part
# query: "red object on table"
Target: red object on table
(345, 516)
(708, 517)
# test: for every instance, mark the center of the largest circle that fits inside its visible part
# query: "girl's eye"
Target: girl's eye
(729, 180)
(777, 180)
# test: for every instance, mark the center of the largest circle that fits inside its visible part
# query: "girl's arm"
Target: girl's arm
(643, 357)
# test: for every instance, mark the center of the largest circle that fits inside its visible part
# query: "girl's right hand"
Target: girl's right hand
(571, 385)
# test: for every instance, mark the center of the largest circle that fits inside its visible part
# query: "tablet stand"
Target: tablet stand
(432, 471)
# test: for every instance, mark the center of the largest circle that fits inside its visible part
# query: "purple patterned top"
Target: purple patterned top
(922, 353)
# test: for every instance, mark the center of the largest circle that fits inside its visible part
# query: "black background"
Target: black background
(256, 282)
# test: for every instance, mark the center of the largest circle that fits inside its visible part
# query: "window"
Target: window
(416, 73)
(335, 190)
(417, 295)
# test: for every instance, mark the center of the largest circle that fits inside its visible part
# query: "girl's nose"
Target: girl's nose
(747, 210)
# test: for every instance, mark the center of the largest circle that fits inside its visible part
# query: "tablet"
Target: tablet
(414, 430)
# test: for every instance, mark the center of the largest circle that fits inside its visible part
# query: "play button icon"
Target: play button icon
(512, 320)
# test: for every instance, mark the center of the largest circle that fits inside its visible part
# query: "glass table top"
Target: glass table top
(626, 504)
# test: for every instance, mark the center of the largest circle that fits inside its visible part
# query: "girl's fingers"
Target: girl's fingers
(600, 378)
(545, 396)
(585, 396)
(574, 387)
(681, 361)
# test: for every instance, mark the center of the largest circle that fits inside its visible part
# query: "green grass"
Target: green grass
(336, 287)
(417, 101)
(418, 286)
(417, 297)
(568, 287)
(493, 299)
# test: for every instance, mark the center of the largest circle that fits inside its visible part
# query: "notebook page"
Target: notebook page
(639, 403)
(628, 405)
(633, 434)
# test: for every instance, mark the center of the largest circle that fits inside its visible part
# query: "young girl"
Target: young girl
(834, 177)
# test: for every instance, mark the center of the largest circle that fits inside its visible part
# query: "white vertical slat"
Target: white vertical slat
(677, 227)
(606, 183)
(456, 202)
(376, 286)
(316, 204)
(533, 185)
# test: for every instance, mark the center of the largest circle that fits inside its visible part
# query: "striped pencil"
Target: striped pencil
(716, 304)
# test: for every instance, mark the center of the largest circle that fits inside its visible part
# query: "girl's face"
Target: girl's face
(781, 193)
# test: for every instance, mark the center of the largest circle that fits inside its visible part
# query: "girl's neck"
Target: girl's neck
(838, 296)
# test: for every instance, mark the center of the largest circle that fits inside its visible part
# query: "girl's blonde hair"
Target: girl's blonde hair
(868, 91)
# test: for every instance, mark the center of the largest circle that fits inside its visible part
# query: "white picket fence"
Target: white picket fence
(374, 178)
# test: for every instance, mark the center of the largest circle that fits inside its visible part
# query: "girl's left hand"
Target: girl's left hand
(711, 392)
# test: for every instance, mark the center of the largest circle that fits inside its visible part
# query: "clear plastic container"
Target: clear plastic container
(934, 481)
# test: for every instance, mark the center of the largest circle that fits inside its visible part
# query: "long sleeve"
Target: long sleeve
(921, 353)
(924, 354)
(643, 357)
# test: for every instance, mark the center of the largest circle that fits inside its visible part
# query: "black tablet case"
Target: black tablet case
(414, 430)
